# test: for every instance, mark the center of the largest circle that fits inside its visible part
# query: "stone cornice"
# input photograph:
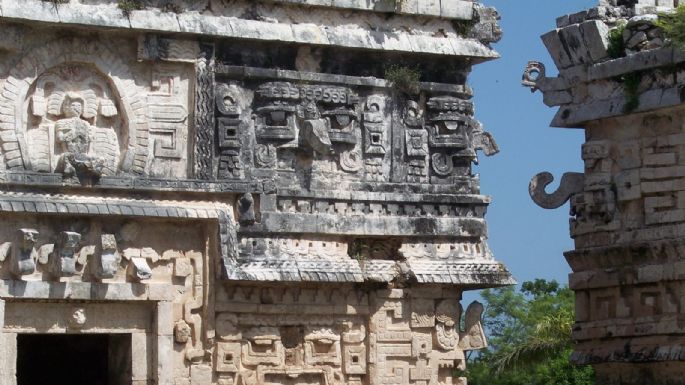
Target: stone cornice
(194, 23)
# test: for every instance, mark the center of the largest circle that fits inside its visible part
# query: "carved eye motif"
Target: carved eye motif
(277, 118)
(374, 107)
(343, 120)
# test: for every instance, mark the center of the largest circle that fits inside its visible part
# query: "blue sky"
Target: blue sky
(527, 238)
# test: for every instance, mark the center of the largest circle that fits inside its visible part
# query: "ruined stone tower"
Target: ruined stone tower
(241, 192)
(622, 82)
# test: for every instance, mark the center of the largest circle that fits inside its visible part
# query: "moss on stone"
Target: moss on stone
(631, 83)
(616, 47)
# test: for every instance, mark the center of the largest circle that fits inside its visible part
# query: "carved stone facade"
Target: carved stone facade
(244, 200)
(627, 211)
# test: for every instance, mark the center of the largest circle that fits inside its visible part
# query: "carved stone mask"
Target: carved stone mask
(73, 108)
(311, 111)
(28, 239)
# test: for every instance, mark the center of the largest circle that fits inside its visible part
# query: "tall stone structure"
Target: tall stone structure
(622, 83)
(241, 192)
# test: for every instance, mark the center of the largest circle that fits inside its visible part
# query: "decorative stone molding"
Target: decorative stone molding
(187, 188)
(626, 215)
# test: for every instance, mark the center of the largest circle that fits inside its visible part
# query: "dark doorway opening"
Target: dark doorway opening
(78, 359)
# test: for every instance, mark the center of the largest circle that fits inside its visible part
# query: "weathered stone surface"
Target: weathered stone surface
(243, 192)
(628, 206)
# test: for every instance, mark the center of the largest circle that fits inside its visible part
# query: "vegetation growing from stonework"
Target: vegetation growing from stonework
(673, 25)
(617, 47)
(403, 79)
(127, 6)
(631, 83)
(463, 27)
(56, 2)
(529, 338)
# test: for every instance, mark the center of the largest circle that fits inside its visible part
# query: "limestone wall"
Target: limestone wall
(245, 191)
(626, 207)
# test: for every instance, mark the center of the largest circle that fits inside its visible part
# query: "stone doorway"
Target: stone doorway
(93, 359)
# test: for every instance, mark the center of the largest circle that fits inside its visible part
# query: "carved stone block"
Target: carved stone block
(63, 258)
(355, 359)
(109, 257)
(228, 357)
(23, 261)
(246, 209)
(138, 269)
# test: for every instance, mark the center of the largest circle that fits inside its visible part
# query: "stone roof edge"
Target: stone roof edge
(476, 273)
(443, 9)
(576, 115)
(230, 27)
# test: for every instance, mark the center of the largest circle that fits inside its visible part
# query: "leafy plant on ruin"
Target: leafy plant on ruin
(403, 79)
(617, 47)
(128, 6)
(673, 25)
(363, 249)
(171, 6)
(358, 249)
(463, 27)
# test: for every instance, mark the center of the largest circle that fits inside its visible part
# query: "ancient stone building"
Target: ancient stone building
(622, 83)
(241, 192)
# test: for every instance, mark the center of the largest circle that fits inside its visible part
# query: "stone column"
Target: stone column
(8, 352)
(165, 342)
(140, 361)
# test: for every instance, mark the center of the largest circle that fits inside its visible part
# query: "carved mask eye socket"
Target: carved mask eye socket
(342, 121)
(277, 118)
(454, 128)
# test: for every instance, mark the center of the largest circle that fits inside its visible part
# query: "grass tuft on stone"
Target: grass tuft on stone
(128, 6)
(404, 79)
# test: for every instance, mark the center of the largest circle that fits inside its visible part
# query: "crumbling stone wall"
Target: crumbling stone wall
(240, 189)
(626, 207)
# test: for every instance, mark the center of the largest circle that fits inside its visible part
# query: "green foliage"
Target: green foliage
(673, 25)
(631, 84)
(530, 338)
(617, 47)
(540, 287)
(358, 249)
(404, 79)
(127, 6)
(463, 27)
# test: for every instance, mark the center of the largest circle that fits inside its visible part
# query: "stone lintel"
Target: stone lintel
(92, 291)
